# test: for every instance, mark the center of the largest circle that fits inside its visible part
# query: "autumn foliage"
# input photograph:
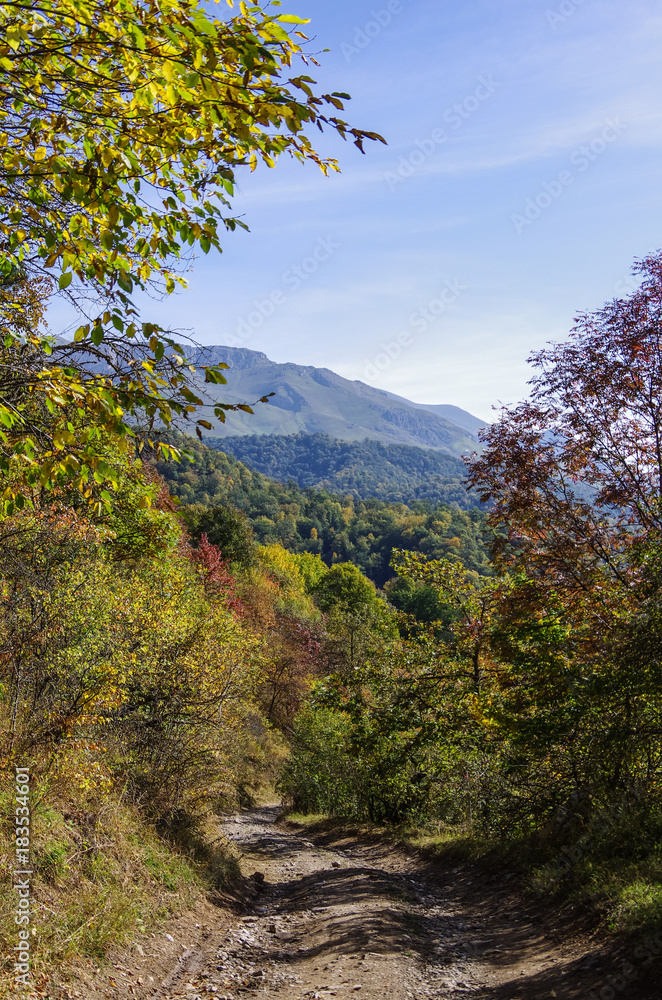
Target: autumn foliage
(179, 663)
(538, 684)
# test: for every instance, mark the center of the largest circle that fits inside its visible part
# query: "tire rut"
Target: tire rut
(342, 916)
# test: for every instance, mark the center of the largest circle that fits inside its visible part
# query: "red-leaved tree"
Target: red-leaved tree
(218, 579)
(574, 473)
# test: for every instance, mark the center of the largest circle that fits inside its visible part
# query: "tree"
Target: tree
(224, 526)
(345, 587)
(311, 568)
(472, 604)
(419, 600)
(218, 580)
(574, 474)
(122, 125)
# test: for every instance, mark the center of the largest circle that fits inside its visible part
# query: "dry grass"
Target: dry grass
(101, 875)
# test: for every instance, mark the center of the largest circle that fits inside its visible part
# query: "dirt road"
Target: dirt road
(352, 917)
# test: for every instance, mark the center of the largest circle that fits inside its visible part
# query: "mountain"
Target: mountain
(391, 472)
(454, 414)
(317, 401)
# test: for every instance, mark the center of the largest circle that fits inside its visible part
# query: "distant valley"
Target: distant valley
(216, 489)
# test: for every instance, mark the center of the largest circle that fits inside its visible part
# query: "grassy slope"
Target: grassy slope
(101, 875)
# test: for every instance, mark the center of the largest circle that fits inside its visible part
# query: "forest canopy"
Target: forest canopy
(391, 472)
(339, 528)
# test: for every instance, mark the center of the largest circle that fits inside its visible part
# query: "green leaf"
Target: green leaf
(116, 191)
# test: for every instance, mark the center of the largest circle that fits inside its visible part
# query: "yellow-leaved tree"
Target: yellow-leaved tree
(122, 125)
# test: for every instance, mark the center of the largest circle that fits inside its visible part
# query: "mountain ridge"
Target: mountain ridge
(319, 401)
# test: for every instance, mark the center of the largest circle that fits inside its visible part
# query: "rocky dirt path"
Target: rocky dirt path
(354, 917)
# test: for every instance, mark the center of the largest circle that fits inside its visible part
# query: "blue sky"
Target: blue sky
(522, 177)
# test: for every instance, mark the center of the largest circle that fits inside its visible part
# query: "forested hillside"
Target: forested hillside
(338, 528)
(390, 472)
